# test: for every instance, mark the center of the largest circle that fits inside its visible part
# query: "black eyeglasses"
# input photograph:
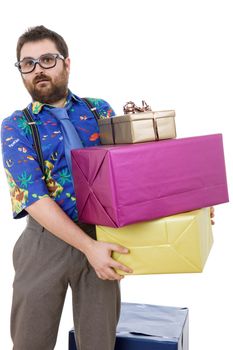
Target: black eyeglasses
(46, 61)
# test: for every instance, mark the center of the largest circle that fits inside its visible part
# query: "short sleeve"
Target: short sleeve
(24, 175)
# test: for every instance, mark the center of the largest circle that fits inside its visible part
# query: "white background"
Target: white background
(175, 54)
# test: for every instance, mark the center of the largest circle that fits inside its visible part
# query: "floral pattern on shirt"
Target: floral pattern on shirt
(26, 181)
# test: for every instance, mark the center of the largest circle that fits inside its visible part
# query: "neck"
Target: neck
(60, 103)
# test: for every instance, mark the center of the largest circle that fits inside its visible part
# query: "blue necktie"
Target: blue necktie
(70, 135)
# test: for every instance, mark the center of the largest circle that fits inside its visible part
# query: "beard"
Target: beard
(44, 89)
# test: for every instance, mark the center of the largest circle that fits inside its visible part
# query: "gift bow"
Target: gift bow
(130, 107)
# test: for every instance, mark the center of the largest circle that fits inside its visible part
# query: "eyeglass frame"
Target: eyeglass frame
(37, 60)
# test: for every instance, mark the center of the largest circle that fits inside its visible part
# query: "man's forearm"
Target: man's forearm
(99, 254)
(49, 215)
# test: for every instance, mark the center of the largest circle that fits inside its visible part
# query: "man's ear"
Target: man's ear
(67, 64)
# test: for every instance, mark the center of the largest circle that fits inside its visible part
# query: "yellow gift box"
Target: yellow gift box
(175, 244)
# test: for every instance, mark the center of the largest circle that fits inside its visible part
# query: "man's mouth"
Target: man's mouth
(41, 80)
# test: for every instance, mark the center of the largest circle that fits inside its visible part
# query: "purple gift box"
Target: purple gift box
(123, 184)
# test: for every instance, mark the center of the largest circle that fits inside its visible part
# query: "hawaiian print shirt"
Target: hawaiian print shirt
(26, 181)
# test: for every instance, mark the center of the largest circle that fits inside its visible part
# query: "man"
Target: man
(55, 251)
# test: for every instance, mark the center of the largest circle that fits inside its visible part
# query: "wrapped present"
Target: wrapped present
(174, 244)
(123, 184)
(138, 126)
(149, 327)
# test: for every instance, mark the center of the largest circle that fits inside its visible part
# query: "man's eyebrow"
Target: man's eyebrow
(30, 57)
(43, 54)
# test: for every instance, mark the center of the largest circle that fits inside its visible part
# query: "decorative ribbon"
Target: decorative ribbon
(130, 107)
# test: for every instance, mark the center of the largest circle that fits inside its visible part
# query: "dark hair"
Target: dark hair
(40, 33)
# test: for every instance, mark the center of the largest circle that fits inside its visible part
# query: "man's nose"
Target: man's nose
(38, 69)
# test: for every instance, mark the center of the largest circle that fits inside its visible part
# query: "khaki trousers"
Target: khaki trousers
(44, 268)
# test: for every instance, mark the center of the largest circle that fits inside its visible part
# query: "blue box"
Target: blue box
(149, 327)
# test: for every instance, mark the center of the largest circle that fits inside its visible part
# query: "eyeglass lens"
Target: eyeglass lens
(45, 61)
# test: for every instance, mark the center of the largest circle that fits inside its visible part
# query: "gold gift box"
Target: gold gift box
(138, 127)
(175, 244)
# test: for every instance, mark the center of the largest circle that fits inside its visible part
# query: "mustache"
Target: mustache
(41, 77)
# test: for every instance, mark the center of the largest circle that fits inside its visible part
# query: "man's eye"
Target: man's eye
(47, 59)
(28, 63)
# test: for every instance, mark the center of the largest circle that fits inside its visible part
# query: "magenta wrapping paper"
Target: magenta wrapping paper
(122, 184)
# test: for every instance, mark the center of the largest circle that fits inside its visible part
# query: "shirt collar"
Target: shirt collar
(37, 106)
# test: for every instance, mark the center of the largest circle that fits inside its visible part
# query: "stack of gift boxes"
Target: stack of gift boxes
(150, 192)
(152, 197)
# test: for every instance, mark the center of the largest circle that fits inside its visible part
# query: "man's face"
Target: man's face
(45, 85)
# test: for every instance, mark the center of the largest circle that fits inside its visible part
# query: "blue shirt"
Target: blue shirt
(26, 181)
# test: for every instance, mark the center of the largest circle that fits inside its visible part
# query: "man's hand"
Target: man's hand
(54, 219)
(212, 215)
(99, 256)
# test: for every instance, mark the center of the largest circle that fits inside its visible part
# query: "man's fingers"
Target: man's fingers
(119, 249)
(109, 274)
(120, 266)
(211, 212)
(212, 215)
(115, 264)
